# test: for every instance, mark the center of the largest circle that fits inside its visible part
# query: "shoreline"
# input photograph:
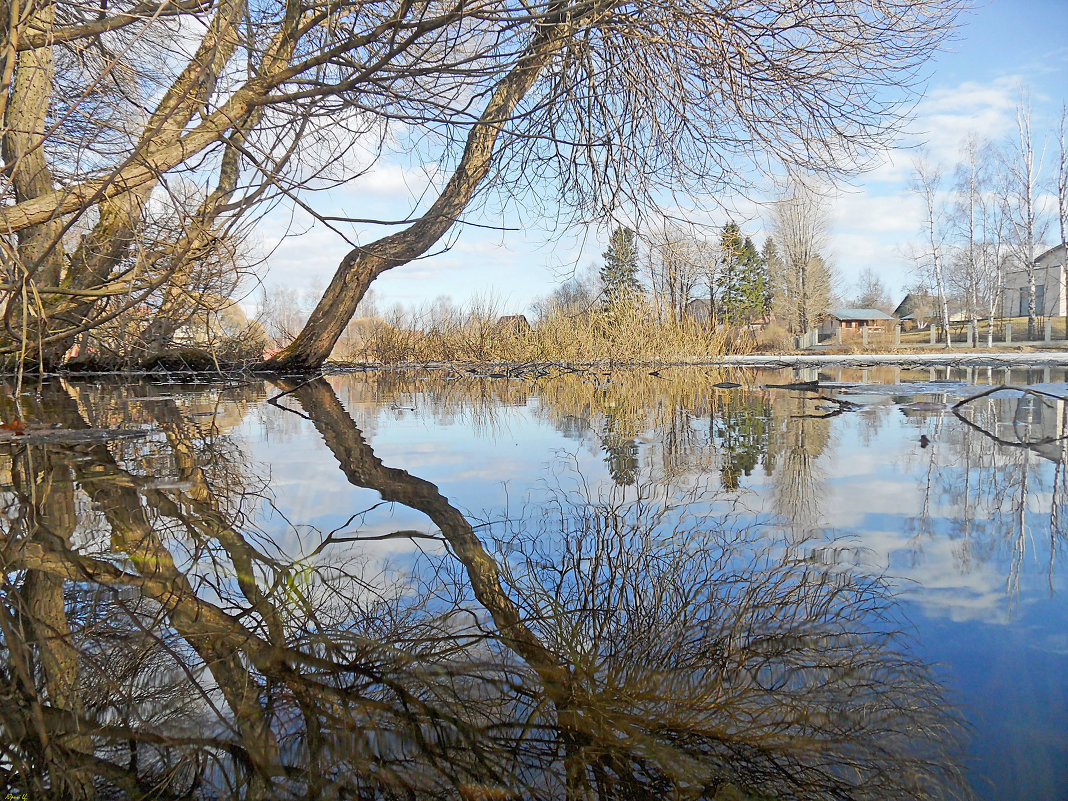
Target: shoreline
(1038, 358)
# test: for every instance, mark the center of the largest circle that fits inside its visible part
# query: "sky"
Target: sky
(974, 85)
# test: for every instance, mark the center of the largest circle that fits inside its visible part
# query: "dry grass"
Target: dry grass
(1019, 332)
(629, 333)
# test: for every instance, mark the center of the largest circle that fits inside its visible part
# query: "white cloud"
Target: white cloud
(387, 180)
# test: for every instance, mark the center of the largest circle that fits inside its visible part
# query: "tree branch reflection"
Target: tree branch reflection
(163, 646)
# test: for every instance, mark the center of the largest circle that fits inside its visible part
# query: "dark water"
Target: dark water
(625, 586)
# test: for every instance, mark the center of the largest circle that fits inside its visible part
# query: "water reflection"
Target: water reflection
(989, 485)
(159, 640)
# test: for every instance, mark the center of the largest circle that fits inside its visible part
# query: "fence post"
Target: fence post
(864, 336)
(1049, 330)
(897, 336)
(932, 333)
(969, 335)
(838, 334)
(1008, 333)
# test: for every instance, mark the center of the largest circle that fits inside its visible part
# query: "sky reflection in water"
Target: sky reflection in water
(872, 476)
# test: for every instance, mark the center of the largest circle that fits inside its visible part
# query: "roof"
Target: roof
(1049, 252)
(859, 314)
(914, 301)
(1040, 257)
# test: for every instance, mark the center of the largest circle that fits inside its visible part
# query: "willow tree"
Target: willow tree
(210, 112)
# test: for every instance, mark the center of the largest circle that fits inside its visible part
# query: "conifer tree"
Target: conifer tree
(769, 257)
(754, 284)
(619, 274)
(730, 289)
(745, 293)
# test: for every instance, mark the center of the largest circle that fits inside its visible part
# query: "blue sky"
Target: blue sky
(1001, 47)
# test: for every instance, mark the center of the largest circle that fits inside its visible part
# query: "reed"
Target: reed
(630, 332)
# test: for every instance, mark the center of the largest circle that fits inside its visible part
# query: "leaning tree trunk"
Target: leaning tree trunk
(362, 265)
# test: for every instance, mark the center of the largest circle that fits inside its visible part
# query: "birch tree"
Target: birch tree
(1062, 207)
(978, 227)
(1022, 176)
(927, 183)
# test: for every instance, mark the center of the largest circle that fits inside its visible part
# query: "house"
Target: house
(1049, 287)
(846, 320)
(700, 311)
(921, 309)
(515, 324)
(917, 310)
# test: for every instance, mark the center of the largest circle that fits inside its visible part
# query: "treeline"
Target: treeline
(721, 280)
(989, 218)
(677, 296)
(683, 274)
(673, 293)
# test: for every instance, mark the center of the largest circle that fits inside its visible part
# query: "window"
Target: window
(1040, 301)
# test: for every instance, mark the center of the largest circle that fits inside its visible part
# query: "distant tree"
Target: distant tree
(577, 295)
(744, 281)
(279, 312)
(676, 261)
(804, 282)
(755, 283)
(772, 266)
(1062, 203)
(619, 274)
(1022, 176)
(928, 185)
(730, 269)
(979, 226)
(871, 292)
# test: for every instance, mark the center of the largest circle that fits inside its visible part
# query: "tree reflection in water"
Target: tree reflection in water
(990, 483)
(156, 644)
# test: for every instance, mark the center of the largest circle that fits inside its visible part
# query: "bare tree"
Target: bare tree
(108, 109)
(803, 287)
(971, 181)
(992, 250)
(928, 185)
(677, 260)
(1021, 181)
(278, 311)
(1062, 207)
(871, 292)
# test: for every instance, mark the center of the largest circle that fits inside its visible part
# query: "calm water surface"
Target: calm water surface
(617, 586)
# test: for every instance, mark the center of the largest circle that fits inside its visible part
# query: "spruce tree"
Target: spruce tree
(730, 273)
(619, 274)
(754, 291)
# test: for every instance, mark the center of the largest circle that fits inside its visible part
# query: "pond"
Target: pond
(744, 584)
